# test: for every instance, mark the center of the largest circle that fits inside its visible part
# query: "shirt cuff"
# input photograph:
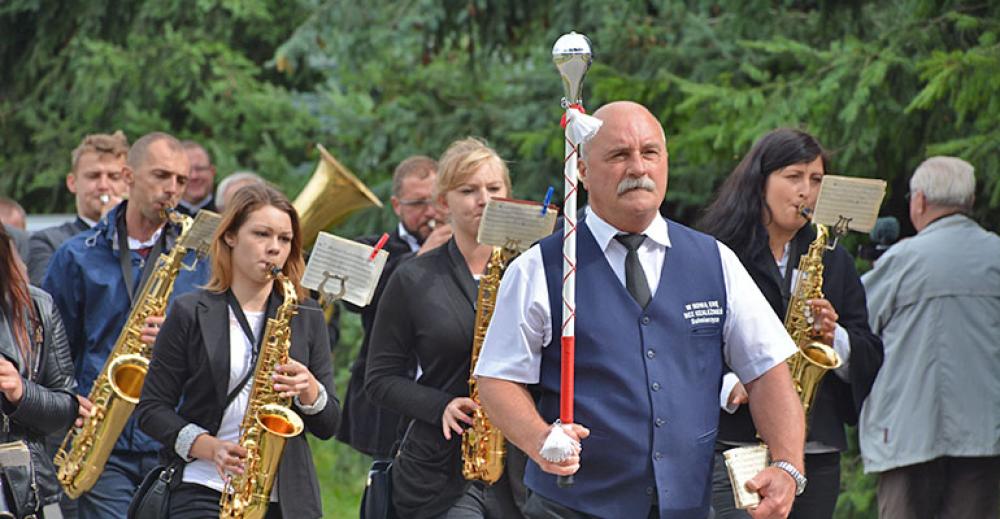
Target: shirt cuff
(185, 439)
(842, 345)
(316, 406)
(729, 381)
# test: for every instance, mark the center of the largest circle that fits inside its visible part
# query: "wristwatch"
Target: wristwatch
(800, 480)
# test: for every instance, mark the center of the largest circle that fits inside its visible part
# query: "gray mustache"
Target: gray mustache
(630, 183)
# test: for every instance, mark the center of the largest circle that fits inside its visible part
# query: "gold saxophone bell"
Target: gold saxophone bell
(330, 196)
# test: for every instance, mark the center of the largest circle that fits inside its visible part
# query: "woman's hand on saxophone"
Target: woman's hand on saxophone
(825, 320)
(227, 456)
(295, 380)
(455, 413)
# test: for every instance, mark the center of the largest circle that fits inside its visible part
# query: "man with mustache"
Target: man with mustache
(660, 310)
(94, 278)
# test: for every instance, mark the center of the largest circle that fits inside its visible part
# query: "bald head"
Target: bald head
(625, 166)
(617, 110)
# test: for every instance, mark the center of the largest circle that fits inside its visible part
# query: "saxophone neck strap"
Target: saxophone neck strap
(241, 318)
(125, 256)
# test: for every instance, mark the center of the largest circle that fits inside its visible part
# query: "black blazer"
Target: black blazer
(190, 367)
(363, 424)
(45, 242)
(427, 310)
(837, 402)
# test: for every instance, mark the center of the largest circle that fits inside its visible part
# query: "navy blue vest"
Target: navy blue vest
(647, 380)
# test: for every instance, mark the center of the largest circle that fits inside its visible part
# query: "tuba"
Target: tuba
(813, 358)
(269, 419)
(84, 451)
(331, 194)
(483, 445)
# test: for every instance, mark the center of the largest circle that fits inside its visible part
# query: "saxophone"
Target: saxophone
(483, 445)
(269, 420)
(116, 391)
(813, 358)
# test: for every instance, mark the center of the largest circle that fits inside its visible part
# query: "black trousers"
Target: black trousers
(194, 501)
(817, 502)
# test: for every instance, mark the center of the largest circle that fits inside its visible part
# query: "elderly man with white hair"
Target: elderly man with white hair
(930, 425)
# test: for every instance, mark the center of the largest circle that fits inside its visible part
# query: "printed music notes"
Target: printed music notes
(856, 200)
(742, 464)
(519, 222)
(199, 237)
(344, 265)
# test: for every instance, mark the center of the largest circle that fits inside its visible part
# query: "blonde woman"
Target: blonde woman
(428, 311)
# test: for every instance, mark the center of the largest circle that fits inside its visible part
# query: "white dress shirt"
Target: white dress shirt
(754, 339)
(410, 239)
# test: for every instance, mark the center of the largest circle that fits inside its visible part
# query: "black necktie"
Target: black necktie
(635, 278)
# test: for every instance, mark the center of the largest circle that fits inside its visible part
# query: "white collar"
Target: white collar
(88, 221)
(604, 232)
(134, 244)
(197, 205)
(410, 239)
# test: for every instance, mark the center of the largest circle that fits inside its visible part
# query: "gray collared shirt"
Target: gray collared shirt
(935, 300)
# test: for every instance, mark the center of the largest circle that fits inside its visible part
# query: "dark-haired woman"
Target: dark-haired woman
(200, 378)
(758, 213)
(37, 388)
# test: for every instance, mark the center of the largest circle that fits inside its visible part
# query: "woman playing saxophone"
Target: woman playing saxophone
(204, 356)
(760, 212)
(428, 311)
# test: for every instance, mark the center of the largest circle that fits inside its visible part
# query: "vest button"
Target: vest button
(645, 320)
(650, 353)
(655, 386)
(649, 491)
(659, 422)
(657, 456)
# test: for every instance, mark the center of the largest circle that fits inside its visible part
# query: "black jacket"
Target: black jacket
(45, 242)
(47, 407)
(189, 372)
(837, 402)
(427, 310)
(364, 425)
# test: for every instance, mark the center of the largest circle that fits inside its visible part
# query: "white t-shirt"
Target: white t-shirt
(202, 471)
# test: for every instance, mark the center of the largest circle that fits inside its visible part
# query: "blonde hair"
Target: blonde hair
(461, 160)
(246, 200)
(115, 144)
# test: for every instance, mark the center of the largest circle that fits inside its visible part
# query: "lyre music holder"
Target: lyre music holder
(332, 297)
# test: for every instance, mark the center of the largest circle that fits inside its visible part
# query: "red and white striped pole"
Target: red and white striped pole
(572, 56)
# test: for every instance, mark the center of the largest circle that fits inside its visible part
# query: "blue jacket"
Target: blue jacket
(86, 282)
(647, 381)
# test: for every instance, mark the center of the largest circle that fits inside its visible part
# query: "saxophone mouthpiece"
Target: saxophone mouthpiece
(273, 270)
(105, 198)
(806, 212)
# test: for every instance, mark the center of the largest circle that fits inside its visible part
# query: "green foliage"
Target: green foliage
(882, 84)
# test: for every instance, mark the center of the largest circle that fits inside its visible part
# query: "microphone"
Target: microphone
(885, 232)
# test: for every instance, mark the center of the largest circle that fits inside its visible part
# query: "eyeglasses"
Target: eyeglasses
(421, 202)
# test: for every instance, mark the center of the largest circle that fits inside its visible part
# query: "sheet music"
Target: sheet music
(199, 237)
(518, 221)
(855, 198)
(347, 258)
(742, 464)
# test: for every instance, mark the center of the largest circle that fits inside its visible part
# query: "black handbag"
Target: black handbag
(376, 502)
(152, 499)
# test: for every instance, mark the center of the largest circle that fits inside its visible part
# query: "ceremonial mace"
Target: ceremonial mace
(572, 56)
